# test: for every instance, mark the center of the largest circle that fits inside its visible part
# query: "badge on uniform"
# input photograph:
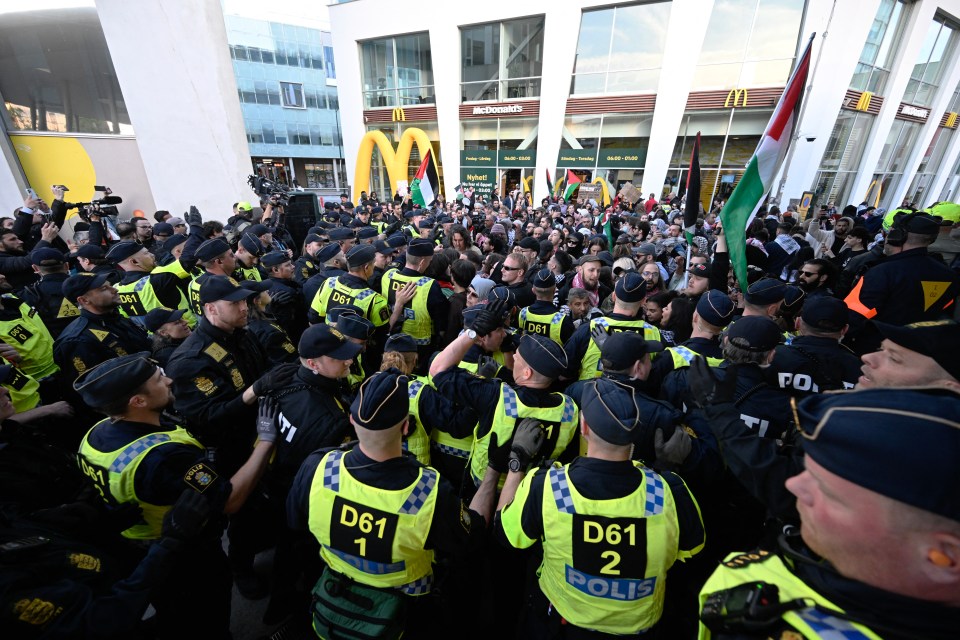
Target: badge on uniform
(79, 365)
(237, 378)
(199, 477)
(101, 335)
(84, 562)
(216, 352)
(384, 314)
(464, 518)
(204, 385)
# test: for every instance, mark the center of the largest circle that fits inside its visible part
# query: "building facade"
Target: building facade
(287, 87)
(619, 91)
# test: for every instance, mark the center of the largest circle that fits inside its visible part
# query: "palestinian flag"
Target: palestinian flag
(426, 184)
(572, 183)
(549, 183)
(757, 180)
(691, 211)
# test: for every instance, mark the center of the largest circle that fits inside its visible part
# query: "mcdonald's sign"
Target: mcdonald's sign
(398, 115)
(733, 98)
(396, 162)
(863, 103)
(951, 120)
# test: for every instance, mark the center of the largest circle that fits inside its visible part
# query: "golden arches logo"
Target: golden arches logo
(863, 102)
(396, 162)
(528, 184)
(951, 122)
(398, 115)
(733, 98)
(604, 189)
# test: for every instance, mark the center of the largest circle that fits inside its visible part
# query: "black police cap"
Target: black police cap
(754, 333)
(47, 257)
(365, 233)
(360, 254)
(216, 288)
(123, 250)
(825, 313)
(355, 326)
(621, 350)
(611, 411)
(274, 259)
(765, 291)
(937, 339)
(401, 343)
(544, 356)
(631, 287)
(76, 286)
(382, 401)
(114, 378)
(420, 248)
(174, 241)
(323, 340)
(716, 308)
(252, 245)
(341, 233)
(212, 249)
(543, 279)
(329, 252)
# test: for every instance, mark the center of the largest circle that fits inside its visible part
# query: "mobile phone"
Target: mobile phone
(97, 187)
(61, 186)
(32, 194)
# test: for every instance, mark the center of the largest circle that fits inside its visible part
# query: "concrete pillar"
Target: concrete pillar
(174, 68)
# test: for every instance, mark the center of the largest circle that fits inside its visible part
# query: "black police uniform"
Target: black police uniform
(46, 297)
(94, 338)
(274, 339)
(291, 315)
(576, 347)
(522, 294)
(906, 287)
(210, 372)
(811, 364)
(163, 348)
(305, 267)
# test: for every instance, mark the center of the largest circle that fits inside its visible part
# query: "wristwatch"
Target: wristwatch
(514, 465)
(471, 334)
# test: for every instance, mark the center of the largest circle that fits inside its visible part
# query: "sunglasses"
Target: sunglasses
(506, 268)
(811, 274)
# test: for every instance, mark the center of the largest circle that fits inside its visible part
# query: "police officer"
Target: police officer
(359, 331)
(218, 373)
(353, 289)
(544, 317)
(427, 304)
(216, 258)
(306, 265)
(815, 361)
(381, 261)
(610, 527)
(714, 311)
(763, 298)
(366, 235)
(888, 566)
(332, 264)
(249, 250)
(343, 236)
(286, 295)
(411, 510)
(131, 457)
(908, 286)
(100, 333)
(140, 290)
(46, 296)
(583, 352)
(917, 354)
(539, 361)
(265, 328)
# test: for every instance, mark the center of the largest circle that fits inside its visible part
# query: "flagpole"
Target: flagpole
(803, 107)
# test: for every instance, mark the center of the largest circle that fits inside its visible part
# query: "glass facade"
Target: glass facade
(841, 159)
(879, 54)
(287, 88)
(935, 57)
(56, 74)
(749, 43)
(932, 161)
(397, 72)
(501, 60)
(620, 49)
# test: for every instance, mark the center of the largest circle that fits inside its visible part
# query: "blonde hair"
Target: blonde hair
(403, 361)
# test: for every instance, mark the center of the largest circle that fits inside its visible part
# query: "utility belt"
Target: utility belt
(344, 608)
(557, 626)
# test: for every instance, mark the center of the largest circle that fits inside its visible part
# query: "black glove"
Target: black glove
(267, 419)
(281, 298)
(528, 439)
(194, 217)
(489, 319)
(498, 455)
(599, 334)
(187, 517)
(706, 388)
(275, 379)
(487, 367)
(510, 342)
(675, 450)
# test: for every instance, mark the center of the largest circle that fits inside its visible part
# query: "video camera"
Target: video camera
(105, 206)
(266, 188)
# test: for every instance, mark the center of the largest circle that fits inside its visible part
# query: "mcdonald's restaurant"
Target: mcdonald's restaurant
(618, 93)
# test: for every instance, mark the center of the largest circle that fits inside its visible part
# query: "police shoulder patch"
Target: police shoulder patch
(79, 364)
(199, 477)
(101, 335)
(216, 352)
(744, 559)
(465, 518)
